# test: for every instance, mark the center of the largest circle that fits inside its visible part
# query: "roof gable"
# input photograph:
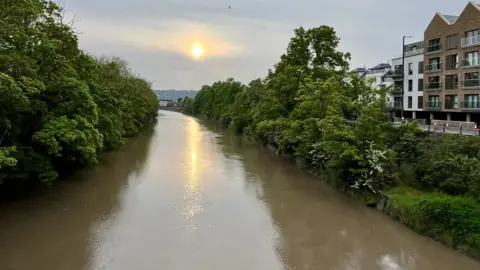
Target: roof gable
(471, 11)
(438, 22)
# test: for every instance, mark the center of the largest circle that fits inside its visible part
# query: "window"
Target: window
(471, 59)
(410, 85)
(451, 102)
(397, 102)
(434, 64)
(434, 83)
(451, 81)
(410, 68)
(398, 69)
(420, 84)
(452, 42)
(471, 80)
(433, 102)
(452, 61)
(420, 67)
(398, 84)
(473, 33)
(409, 102)
(471, 102)
(420, 102)
(434, 45)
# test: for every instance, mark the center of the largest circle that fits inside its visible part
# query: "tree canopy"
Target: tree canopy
(60, 108)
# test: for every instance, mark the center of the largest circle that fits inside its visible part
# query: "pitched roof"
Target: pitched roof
(381, 65)
(450, 18)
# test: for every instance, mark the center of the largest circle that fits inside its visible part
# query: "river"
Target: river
(186, 195)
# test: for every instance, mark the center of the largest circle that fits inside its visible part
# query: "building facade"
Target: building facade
(452, 66)
(410, 76)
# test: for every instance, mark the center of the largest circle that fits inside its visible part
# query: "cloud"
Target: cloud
(246, 39)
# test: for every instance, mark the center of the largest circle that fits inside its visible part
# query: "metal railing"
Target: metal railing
(451, 105)
(433, 105)
(433, 67)
(474, 62)
(451, 85)
(471, 84)
(414, 52)
(433, 86)
(394, 105)
(470, 41)
(471, 105)
(434, 48)
(453, 66)
(394, 73)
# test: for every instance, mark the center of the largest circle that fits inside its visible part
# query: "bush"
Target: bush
(457, 218)
(453, 220)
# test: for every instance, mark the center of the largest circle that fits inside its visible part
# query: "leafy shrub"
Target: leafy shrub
(457, 217)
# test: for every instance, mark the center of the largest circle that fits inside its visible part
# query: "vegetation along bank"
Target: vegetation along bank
(305, 107)
(59, 107)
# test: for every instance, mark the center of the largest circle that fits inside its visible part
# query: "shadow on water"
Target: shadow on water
(321, 228)
(53, 226)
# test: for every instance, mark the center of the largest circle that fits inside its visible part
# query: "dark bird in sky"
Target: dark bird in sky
(229, 7)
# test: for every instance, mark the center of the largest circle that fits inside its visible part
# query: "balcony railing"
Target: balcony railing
(470, 105)
(414, 52)
(470, 41)
(473, 62)
(434, 48)
(394, 105)
(394, 73)
(451, 84)
(433, 105)
(471, 84)
(433, 67)
(433, 86)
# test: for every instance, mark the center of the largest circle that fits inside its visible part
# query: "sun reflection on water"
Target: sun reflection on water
(192, 198)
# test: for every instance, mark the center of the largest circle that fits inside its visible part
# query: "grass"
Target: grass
(452, 220)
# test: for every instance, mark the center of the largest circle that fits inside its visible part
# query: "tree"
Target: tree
(59, 107)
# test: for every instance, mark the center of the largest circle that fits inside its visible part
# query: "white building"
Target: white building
(413, 102)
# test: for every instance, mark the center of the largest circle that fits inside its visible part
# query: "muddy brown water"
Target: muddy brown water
(191, 196)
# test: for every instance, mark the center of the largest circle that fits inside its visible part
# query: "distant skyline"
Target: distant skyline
(242, 42)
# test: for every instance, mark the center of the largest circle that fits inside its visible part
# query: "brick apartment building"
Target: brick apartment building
(452, 66)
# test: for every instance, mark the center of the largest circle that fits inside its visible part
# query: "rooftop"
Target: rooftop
(380, 66)
(450, 18)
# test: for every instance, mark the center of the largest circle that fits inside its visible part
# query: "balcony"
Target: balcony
(473, 62)
(434, 67)
(470, 41)
(414, 52)
(394, 105)
(472, 105)
(396, 91)
(471, 84)
(433, 86)
(394, 73)
(433, 105)
(436, 48)
(451, 85)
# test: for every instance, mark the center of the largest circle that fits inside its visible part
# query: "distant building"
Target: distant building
(410, 77)
(166, 103)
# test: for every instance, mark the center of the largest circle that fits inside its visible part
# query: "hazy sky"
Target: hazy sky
(242, 42)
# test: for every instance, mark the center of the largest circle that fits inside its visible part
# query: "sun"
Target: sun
(197, 50)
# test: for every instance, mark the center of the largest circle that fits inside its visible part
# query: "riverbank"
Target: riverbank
(311, 107)
(190, 195)
(61, 114)
(453, 221)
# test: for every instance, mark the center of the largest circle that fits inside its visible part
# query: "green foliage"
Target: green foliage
(59, 107)
(451, 219)
(341, 127)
